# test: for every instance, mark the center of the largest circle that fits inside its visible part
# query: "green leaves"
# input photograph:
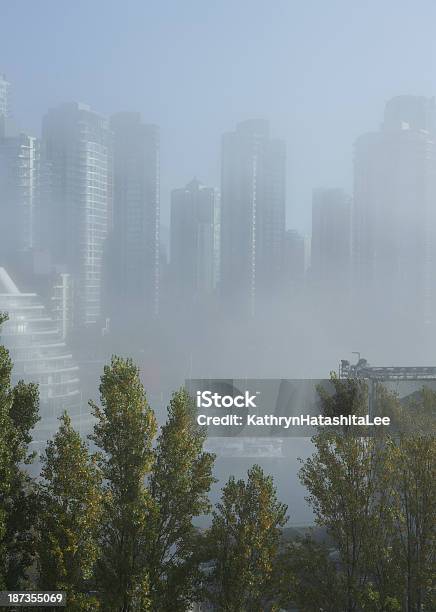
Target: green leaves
(308, 577)
(179, 486)
(377, 498)
(411, 470)
(242, 544)
(151, 495)
(115, 529)
(125, 424)
(70, 510)
(18, 415)
(124, 432)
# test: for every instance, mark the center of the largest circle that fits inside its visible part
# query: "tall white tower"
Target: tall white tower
(4, 96)
(77, 153)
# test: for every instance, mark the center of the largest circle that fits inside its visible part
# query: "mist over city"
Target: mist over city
(218, 305)
(219, 191)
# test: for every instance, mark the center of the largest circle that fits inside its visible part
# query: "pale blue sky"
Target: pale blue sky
(319, 70)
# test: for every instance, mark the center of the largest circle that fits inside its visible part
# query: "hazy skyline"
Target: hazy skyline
(321, 73)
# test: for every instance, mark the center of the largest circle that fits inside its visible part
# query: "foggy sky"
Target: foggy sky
(319, 71)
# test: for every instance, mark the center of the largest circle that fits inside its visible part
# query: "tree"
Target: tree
(18, 415)
(342, 480)
(376, 496)
(409, 485)
(124, 432)
(411, 468)
(68, 518)
(348, 490)
(415, 413)
(308, 578)
(349, 397)
(242, 544)
(179, 486)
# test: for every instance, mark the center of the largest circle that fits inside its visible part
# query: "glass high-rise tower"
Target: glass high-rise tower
(252, 213)
(19, 178)
(394, 211)
(19, 158)
(194, 247)
(4, 96)
(77, 159)
(331, 238)
(134, 250)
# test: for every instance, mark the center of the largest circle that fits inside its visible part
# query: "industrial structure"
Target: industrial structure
(404, 381)
(363, 370)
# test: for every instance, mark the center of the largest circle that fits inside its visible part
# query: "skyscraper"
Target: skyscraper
(415, 112)
(331, 238)
(394, 215)
(19, 160)
(294, 259)
(4, 96)
(134, 250)
(194, 241)
(253, 213)
(19, 165)
(77, 156)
